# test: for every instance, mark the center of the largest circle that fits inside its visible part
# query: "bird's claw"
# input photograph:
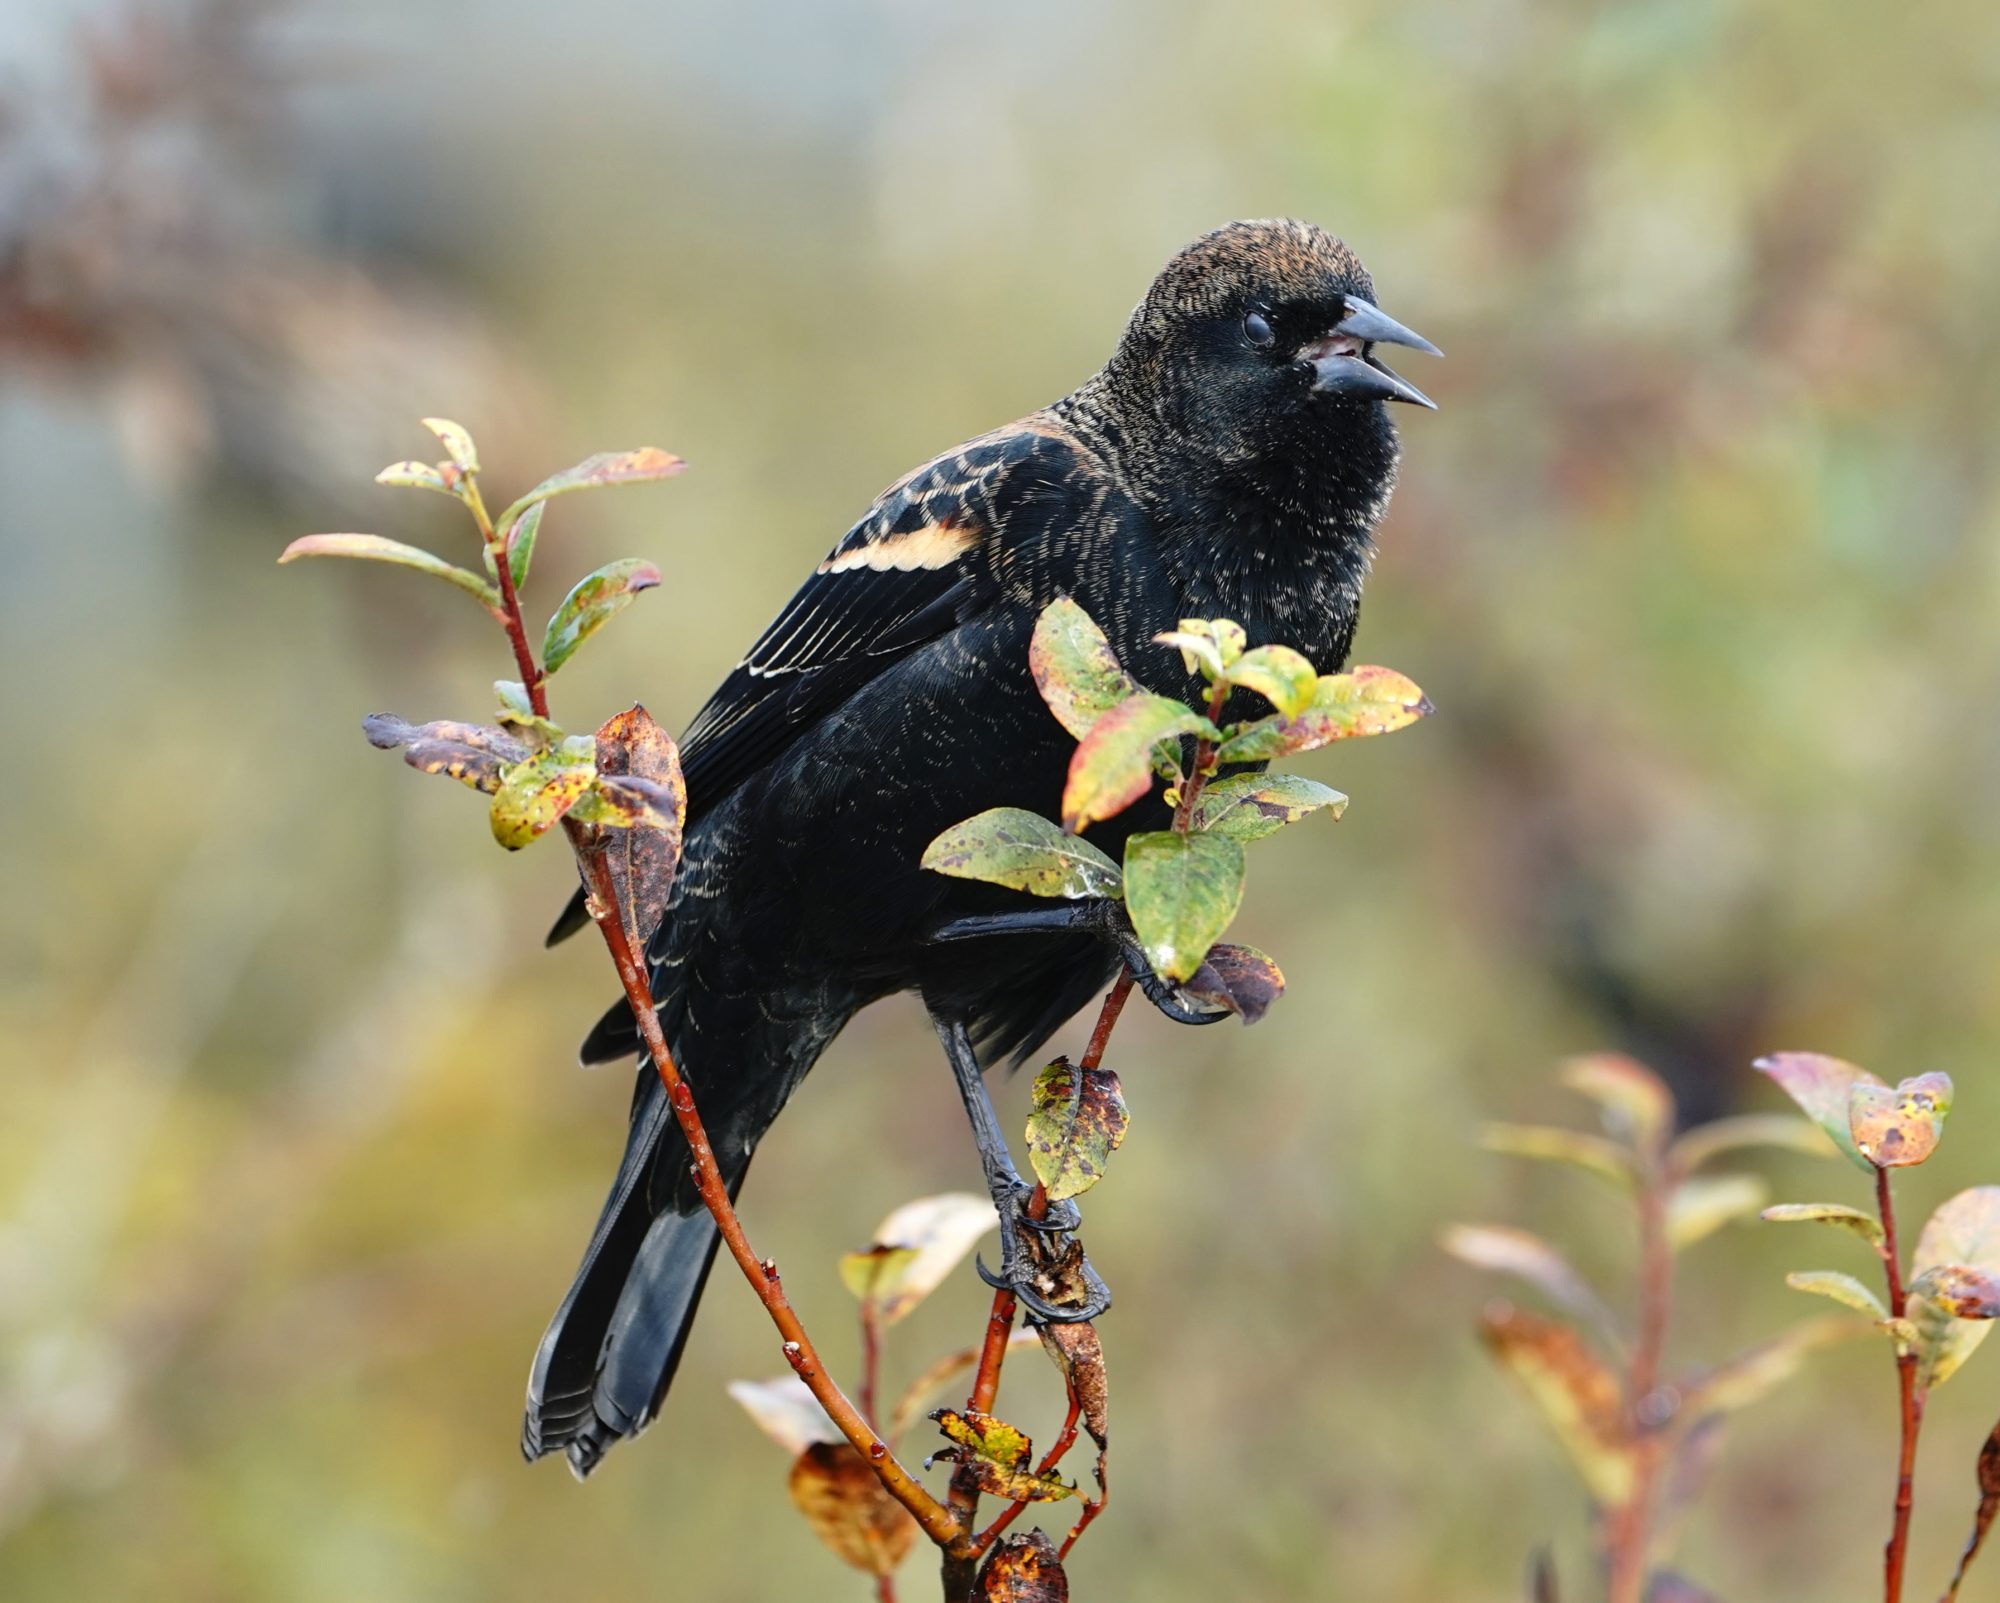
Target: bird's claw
(1043, 1264)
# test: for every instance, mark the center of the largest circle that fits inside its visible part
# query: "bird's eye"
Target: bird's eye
(1258, 331)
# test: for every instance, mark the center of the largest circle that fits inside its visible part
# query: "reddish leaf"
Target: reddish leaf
(1077, 1121)
(1239, 978)
(1821, 1086)
(1960, 1290)
(1895, 1127)
(1112, 766)
(1637, 1104)
(1989, 1508)
(1080, 1356)
(642, 466)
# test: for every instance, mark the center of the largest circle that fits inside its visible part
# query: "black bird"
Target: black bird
(1231, 460)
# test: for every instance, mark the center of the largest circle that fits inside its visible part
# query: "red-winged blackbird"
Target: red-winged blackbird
(1231, 460)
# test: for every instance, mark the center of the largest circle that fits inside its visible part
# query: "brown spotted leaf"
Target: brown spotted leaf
(1074, 667)
(1989, 1508)
(1637, 1105)
(1000, 1457)
(1822, 1087)
(1364, 701)
(473, 754)
(1011, 846)
(1960, 1290)
(1239, 978)
(1022, 1569)
(1964, 1230)
(639, 776)
(1895, 1127)
(534, 795)
(1578, 1395)
(1077, 1119)
(597, 599)
(1112, 766)
(373, 548)
(1078, 1353)
(1251, 806)
(1181, 892)
(848, 1509)
(643, 466)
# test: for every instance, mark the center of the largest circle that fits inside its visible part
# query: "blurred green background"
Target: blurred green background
(1698, 562)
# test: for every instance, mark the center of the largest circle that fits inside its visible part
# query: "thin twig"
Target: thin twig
(1628, 1527)
(1895, 1554)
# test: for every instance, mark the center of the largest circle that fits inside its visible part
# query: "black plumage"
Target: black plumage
(1230, 460)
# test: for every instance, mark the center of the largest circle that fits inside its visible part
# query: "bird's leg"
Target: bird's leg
(1106, 920)
(1040, 1262)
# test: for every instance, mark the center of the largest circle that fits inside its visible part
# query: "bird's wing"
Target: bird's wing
(928, 554)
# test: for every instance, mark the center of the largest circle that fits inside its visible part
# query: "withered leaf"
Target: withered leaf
(1074, 667)
(1960, 1290)
(1000, 1457)
(534, 794)
(1078, 1353)
(1076, 1121)
(915, 1248)
(1895, 1127)
(845, 1504)
(1022, 1569)
(473, 754)
(1577, 1394)
(1239, 978)
(638, 765)
(1989, 1508)
(1821, 1086)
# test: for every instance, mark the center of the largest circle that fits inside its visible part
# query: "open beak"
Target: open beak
(1345, 366)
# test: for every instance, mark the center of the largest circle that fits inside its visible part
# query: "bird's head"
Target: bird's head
(1257, 343)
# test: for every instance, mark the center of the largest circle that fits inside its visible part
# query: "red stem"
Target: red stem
(510, 606)
(1895, 1555)
(1628, 1527)
(871, 1357)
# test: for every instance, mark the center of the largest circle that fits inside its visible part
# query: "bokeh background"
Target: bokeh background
(1698, 562)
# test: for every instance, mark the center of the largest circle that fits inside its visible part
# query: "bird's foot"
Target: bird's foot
(1043, 1264)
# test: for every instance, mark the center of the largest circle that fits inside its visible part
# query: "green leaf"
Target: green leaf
(1752, 1376)
(1636, 1102)
(1577, 1394)
(1250, 806)
(1077, 1119)
(473, 754)
(646, 465)
(416, 476)
(1705, 1141)
(1827, 1213)
(874, 1271)
(1964, 1230)
(597, 599)
(1504, 1250)
(521, 542)
(999, 1456)
(1841, 1288)
(1988, 1511)
(1112, 766)
(534, 795)
(457, 443)
(1364, 701)
(1210, 646)
(1821, 1086)
(1239, 978)
(1592, 1153)
(1701, 1206)
(1011, 846)
(1897, 1127)
(373, 548)
(1074, 667)
(1280, 675)
(513, 697)
(1181, 892)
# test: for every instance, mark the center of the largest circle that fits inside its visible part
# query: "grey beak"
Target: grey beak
(1343, 370)
(1371, 323)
